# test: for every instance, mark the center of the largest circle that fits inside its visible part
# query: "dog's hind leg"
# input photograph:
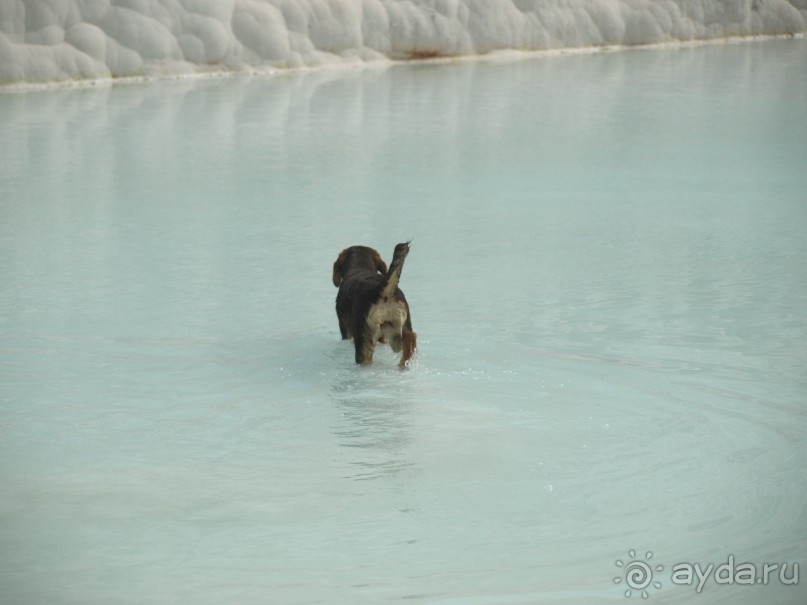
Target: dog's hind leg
(363, 342)
(409, 345)
(344, 329)
(365, 347)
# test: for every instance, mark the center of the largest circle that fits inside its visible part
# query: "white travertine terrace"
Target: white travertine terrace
(68, 40)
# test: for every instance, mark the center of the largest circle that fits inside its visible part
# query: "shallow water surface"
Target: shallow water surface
(608, 281)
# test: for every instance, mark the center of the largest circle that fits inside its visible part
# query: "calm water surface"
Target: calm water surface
(609, 284)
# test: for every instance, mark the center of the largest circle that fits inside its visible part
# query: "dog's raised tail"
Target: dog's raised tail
(395, 267)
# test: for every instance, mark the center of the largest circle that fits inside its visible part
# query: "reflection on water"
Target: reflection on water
(375, 409)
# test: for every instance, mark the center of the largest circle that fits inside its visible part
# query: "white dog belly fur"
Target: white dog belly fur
(387, 318)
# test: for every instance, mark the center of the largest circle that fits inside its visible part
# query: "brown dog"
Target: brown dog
(370, 306)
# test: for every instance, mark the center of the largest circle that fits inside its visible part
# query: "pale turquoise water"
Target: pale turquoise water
(609, 284)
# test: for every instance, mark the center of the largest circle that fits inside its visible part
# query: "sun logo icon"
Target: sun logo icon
(638, 574)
